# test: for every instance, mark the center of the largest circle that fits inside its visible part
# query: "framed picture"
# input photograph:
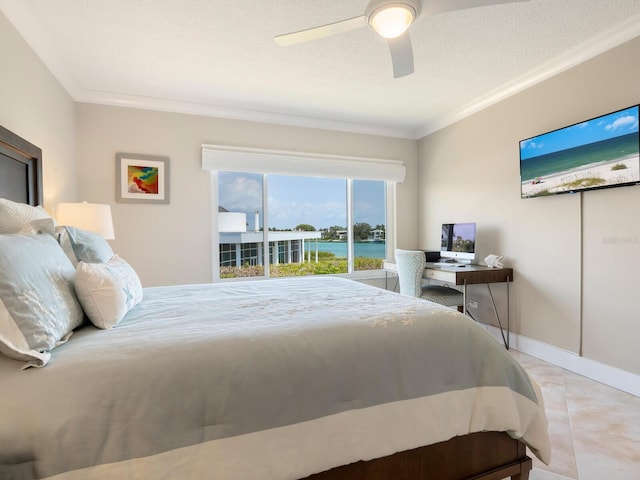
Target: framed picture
(142, 178)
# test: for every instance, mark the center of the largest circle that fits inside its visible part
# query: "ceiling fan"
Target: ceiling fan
(390, 19)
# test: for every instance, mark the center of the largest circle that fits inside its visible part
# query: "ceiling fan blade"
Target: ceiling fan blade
(401, 55)
(322, 31)
(439, 6)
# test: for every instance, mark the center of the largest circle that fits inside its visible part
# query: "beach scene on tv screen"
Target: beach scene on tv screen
(597, 153)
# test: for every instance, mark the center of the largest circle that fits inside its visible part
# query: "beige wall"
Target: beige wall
(576, 257)
(170, 244)
(35, 106)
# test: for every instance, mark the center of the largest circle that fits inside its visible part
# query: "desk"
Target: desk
(468, 275)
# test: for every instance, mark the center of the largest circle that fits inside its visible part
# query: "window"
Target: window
(283, 222)
(300, 210)
(307, 225)
(369, 224)
(240, 213)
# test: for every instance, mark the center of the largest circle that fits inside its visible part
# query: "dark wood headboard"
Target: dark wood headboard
(20, 169)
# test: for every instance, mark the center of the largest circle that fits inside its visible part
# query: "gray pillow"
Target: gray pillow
(88, 247)
(38, 305)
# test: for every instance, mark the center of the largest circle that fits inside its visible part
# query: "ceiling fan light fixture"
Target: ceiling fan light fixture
(392, 20)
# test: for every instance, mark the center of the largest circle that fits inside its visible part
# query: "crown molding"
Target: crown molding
(20, 15)
(209, 110)
(597, 45)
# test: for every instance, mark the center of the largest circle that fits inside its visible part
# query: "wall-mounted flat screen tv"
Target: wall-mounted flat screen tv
(597, 153)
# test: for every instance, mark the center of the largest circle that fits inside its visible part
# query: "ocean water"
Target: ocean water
(604, 151)
(361, 249)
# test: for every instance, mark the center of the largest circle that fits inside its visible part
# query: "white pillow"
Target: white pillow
(107, 291)
(17, 217)
(38, 306)
(41, 225)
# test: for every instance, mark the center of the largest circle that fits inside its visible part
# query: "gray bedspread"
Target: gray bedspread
(195, 372)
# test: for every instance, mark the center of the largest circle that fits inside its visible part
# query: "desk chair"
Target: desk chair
(411, 265)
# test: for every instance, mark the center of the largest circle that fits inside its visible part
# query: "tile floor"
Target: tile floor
(594, 429)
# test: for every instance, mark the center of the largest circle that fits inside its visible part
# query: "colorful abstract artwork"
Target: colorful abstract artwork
(142, 178)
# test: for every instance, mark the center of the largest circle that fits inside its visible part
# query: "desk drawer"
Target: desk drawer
(441, 275)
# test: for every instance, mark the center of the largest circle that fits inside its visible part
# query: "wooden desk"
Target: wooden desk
(467, 274)
(458, 274)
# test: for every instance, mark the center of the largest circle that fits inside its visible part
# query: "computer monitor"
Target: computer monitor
(458, 241)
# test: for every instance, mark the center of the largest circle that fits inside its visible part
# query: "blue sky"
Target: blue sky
(601, 128)
(465, 230)
(320, 202)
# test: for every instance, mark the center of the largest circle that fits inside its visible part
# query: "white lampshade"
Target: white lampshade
(94, 217)
(232, 222)
(392, 20)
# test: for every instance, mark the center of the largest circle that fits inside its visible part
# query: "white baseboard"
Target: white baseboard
(612, 376)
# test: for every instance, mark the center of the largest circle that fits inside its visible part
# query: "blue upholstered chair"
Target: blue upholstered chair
(411, 265)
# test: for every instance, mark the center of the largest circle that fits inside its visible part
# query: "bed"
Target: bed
(319, 378)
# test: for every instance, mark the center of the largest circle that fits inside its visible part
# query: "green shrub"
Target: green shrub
(364, 263)
(327, 264)
(241, 272)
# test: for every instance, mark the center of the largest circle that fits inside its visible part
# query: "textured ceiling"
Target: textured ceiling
(218, 57)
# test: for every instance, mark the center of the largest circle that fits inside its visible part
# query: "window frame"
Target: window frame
(217, 158)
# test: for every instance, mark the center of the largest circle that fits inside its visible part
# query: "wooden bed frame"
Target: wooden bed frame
(20, 169)
(477, 456)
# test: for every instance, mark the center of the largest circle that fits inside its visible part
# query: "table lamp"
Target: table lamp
(93, 217)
